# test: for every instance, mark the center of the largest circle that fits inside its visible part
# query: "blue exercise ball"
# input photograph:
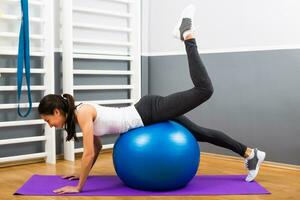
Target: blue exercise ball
(162, 156)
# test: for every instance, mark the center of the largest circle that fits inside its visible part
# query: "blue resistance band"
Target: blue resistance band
(24, 57)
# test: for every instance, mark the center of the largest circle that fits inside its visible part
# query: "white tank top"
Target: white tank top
(113, 120)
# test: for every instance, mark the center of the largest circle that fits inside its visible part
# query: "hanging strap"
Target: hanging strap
(24, 57)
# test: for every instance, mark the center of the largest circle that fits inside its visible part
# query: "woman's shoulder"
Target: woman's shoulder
(85, 110)
(86, 105)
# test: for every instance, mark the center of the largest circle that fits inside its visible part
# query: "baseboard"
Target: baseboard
(21, 162)
(265, 163)
(42, 160)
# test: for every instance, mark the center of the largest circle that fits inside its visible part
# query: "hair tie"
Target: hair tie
(62, 95)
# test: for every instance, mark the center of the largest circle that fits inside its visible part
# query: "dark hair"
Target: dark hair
(64, 103)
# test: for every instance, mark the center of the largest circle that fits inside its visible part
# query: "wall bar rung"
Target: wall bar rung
(102, 12)
(101, 52)
(15, 17)
(14, 105)
(121, 1)
(9, 70)
(105, 28)
(15, 53)
(79, 134)
(23, 157)
(15, 35)
(39, 3)
(102, 87)
(102, 72)
(101, 57)
(14, 88)
(22, 140)
(22, 123)
(78, 150)
(109, 43)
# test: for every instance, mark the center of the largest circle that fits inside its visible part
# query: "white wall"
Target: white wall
(145, 12)
(231, 25)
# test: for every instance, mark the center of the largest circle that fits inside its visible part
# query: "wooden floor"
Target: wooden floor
(282, 182)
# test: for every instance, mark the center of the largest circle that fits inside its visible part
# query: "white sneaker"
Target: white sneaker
(253, 164)
(184, 25)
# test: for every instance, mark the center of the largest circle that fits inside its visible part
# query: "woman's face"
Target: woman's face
(56, 120)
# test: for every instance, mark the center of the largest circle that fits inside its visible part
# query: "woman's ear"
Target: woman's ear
(57, 112)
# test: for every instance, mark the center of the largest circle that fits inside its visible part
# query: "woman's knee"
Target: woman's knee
(204, 93)
(209, 91)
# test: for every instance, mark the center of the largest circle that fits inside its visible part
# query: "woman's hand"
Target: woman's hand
(71, 177)
(66, 189)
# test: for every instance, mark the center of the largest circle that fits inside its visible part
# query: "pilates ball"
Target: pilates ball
(162, 156)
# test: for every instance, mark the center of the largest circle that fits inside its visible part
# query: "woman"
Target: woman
(95, 120)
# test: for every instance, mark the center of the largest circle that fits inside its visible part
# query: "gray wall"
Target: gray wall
(256, 98)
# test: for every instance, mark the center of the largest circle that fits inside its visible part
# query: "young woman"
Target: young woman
(95, 120)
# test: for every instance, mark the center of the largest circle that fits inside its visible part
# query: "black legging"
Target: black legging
(154, 108)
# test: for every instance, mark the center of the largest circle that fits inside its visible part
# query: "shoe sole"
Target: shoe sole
(176, 28)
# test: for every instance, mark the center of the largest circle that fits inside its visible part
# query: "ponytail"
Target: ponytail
(70, 117)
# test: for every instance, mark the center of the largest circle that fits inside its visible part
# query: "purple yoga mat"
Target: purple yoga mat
(43, 185)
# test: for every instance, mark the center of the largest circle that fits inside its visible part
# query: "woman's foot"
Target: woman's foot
(253, 162)
(184, 26)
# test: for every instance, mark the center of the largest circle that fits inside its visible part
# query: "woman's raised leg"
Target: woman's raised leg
(156, 108)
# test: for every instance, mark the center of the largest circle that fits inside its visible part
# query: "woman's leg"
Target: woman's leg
(156, 108)
(215, 137)
(253, 157)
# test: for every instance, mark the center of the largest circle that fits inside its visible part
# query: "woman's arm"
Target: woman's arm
(85, 120)
(97, 147)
